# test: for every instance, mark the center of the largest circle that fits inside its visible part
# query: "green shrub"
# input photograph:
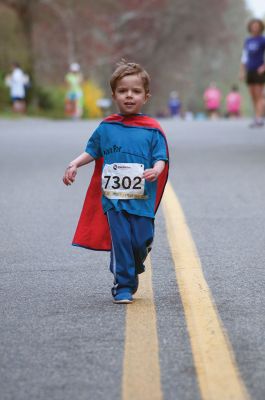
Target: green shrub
(50, 98)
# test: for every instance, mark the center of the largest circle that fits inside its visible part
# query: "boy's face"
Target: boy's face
(130, 94)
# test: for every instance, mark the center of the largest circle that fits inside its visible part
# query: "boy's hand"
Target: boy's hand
(70, 174)
(71, 170)
(150, 175)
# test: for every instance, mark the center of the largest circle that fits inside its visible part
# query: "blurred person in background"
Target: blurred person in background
(233, 102)
(252, 68)
(189, 115)
(212, 100)
(74, 97)
(17, 81)
(174, 104)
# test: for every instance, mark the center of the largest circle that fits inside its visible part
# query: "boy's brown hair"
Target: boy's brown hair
(253, 21)
(125, 68)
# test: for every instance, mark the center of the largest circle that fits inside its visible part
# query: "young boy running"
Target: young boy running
(130, 174)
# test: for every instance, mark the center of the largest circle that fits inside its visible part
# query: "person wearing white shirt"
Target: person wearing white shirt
(17, 82)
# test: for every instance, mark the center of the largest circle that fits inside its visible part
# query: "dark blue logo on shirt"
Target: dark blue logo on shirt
(113, 149)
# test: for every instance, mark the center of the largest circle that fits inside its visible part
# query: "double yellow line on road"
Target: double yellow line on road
(216, 369)
(217, 373)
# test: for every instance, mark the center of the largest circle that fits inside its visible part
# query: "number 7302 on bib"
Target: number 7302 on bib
(123, 181)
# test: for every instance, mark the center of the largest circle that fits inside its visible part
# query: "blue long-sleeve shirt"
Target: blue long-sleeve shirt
(253, 52)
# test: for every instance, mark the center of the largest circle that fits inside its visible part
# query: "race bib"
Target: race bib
(123, 181)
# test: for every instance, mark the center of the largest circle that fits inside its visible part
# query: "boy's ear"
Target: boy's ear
(147, 96)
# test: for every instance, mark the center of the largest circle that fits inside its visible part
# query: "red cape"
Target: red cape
(92, 231)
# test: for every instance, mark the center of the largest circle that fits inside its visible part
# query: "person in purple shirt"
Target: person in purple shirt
(252, 68)
(174, 104)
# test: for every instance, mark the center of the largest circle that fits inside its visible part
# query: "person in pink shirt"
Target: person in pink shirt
(212, 100)
(233, 102)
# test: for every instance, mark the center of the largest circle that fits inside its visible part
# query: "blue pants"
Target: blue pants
(132, 237)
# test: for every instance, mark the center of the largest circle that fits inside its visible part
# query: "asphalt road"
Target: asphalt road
(61, 338)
